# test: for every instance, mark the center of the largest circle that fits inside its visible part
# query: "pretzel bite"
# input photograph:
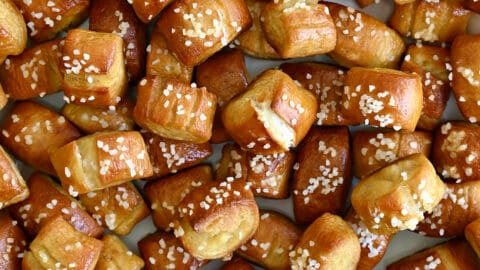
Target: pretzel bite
(233, 163)
(373, 246)
(270, 245)
(195, 30)
(175, 110)
(13, 37)
(118, 17)
(119, 208)
(395, 197)
(162, 251)
(12, 243)
(460, 205)
(298, 28)
(13, 188)
(166, 193)
(472, 234)
(47, 201)
(96, 119)
(466, 75)
(473, 5)
(94, 68)
(456, 151)
(322, 175)
(431, 21)
(59, 246)
(362, 40)
(429, 62)
(382, 97)
(162, 62)
(225, 75)
(272, 115)
(237, 263)
(113, 158)
(373, 150)
(32, 131)
(253, 42)
(46, 18)
(34, 73)
(116, 256)
(455, 254)
(217, 218)
(328, 243)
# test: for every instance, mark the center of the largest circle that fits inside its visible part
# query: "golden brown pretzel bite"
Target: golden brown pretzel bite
(13, 31)
(116, 256)
(13, 188)
(12, 243)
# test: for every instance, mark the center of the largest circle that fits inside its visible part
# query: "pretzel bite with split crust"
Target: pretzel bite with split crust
(118, 17)
(373, 150)
(13, 31)
(32, 132)
(362, 40)
(94, 68)
(270, 245)
(101, 160)
(395, 197)
(328, 243)
(455, 254)
(118, 208)
(165, 194)
(217, 219)
(175, 110)
(116, 256)
(472, 234)
(322, 175)
(382, 97)
(12, 243)
(237, 263)
(59, 246)
(50, 200)
(429, 62)
(195, 30)
(431, 21)
(272, 115)
(13, 188)
(162, 251)
(34, 73)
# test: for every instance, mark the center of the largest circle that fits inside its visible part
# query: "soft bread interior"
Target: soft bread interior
(276, 127)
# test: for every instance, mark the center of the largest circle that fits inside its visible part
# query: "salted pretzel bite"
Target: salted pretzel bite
(13, 37)
(116, 256)
(12, 243)
(13, 188)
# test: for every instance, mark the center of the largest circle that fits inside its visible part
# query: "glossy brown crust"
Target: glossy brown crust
(298, 29)
(175, 110)
(253, 42)
(323, 174)
(456, 151)
(466, 79)
(118, 17)
(460, 205)
(472, 235)
(162, 62)
(3, 98)
(13, 188)
(326, 83)
(364, 41)
(97, 119)
(162, 251)
(455, 254)
(32, 131)
(472, 5)
(382, 97)
(34, 73)
(95, 72)
(12, 243)
(373, 150)
(45, 20)
(233, 163)
(58, 243)
(13, 31)
(272, 115)
(116, 256)
(328, 242)
(395, 197)
(221, 22)
(430, 21)
(270, 245)
(165, 194)
(118, 208)
(429, 62)
(237, 263)
(114, 157)
(217, 219)
(50, 200)
(169, 156)
(147, 10)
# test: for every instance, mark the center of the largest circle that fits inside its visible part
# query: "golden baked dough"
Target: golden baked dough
(147, 10)
(472, 234)
(12, 243)
(116, 256)
(13, 30)
(13, 188)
